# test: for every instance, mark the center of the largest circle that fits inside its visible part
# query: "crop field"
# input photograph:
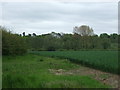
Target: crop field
(34, 71)
(102, 60)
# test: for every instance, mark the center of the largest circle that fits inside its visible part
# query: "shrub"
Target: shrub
(12, 44)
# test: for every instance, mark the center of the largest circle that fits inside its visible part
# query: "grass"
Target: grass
(103, 60)
(31, 71)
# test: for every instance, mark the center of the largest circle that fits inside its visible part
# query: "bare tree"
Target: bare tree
(83, 30)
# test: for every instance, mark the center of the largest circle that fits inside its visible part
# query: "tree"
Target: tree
(114, 38)
(104, 35)
(29, 35)
(34, 34)
(105, 43)
(23, 33)
(83, 30)
(12, 44)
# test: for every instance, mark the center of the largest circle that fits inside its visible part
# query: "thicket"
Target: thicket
(12, 44)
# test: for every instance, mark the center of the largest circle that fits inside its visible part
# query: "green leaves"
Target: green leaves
(12, 44)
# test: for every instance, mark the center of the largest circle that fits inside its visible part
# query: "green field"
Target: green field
(103, 60)
(32, 71)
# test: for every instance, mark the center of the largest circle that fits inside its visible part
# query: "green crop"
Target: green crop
(102, 60)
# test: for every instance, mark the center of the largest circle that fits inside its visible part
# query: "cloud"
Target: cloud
(44, 17)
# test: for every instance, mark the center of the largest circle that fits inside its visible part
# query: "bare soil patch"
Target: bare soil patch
(104, 77)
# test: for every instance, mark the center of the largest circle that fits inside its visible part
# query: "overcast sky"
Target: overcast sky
(46, 17)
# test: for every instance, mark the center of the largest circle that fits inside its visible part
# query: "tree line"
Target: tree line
(56, 41)
(20, 44)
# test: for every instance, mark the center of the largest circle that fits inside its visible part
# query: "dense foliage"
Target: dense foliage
(12, 44)
(103, 60)
(19, 44)
(56, 41)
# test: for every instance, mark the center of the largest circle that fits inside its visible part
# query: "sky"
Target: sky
(46, 17)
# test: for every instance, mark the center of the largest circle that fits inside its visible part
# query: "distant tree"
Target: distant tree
(23, 33)
(34, 34)
(114, 38)
(83, 30)
(105, 43)
(104, 35)
(67, 41)
(29, 35)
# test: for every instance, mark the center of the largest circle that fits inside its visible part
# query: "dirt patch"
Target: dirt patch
(106, 78)
(57, 71)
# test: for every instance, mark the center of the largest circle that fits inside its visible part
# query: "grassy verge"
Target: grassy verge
(32, 71)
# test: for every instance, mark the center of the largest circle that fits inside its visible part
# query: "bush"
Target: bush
(12, 44)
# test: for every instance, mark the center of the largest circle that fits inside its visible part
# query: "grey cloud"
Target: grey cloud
(60, 17)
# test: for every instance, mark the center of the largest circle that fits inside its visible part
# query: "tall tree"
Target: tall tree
(83, 30)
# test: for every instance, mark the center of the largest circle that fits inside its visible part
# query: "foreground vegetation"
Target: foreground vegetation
(103, 60)
(32, 71)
